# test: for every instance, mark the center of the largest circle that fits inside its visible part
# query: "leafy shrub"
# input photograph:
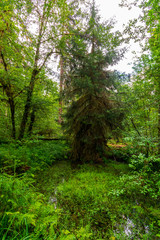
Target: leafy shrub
(142, 186)
(143, 178)
(142, 163)
(121, 154)
(147, 173)
(141, 144)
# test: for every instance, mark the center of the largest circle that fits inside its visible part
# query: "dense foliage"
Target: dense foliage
(80, 160)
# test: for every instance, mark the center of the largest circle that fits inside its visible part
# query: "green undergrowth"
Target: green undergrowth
(98, 201)
(31, 155)
(43, 197)
(101, 202)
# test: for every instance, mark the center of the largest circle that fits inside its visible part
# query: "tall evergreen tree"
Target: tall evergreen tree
(93, 112)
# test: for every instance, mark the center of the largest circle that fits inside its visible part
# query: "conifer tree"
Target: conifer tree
(93, 112)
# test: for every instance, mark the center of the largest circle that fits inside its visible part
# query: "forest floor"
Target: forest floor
(43, 196)
(98, 201)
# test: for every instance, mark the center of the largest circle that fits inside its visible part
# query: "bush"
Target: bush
(147, 173)
(121, 155)
(142, 186)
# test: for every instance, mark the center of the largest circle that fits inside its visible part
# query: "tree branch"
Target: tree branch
(4, 63)
(19, 92)
(46, 58)
(135, 127)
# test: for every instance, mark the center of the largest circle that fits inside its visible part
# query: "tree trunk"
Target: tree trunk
(33, 77)
(32, 120)
(12, 109)
(159, 129)
(27, 105)
(61, 89)
(132, 121)
(7, 88)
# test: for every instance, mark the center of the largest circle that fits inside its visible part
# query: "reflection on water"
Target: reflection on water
(53, 199)
(129, 226)
(130, 230)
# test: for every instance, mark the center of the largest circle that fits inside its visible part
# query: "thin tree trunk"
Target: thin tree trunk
(12, 109)
(158, 99)
(159, 129)
(27, 105)
(61, 89)
(135, 127)
(32, 120)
